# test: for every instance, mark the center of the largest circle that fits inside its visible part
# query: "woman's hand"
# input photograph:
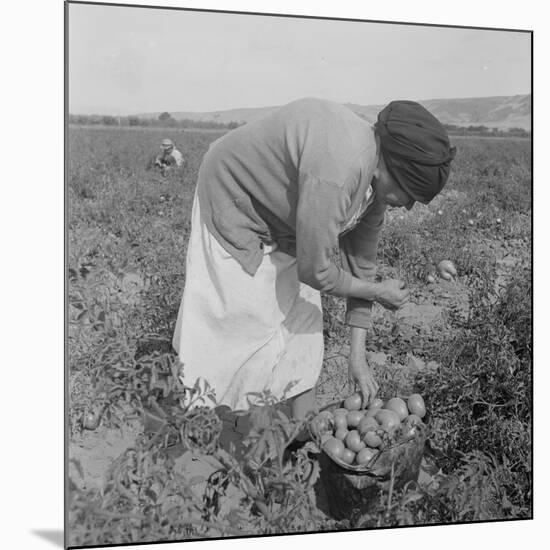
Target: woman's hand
(392, 294)
(360, 373)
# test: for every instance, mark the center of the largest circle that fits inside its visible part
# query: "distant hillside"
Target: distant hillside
(493, 112)
(223, 117)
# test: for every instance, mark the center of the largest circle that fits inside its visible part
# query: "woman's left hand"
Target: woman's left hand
(360, 373)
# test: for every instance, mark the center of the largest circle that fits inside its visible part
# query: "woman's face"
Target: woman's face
(387, 189)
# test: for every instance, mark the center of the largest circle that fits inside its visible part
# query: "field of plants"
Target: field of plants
(144, 466)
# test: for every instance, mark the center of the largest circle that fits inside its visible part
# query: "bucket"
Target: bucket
(352, 490)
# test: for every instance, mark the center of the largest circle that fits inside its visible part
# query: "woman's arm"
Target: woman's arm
(359, 370)
(358, 250)
(320, 214)
(391, 293)
(358, 253)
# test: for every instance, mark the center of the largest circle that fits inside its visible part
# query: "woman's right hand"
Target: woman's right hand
(392, 294)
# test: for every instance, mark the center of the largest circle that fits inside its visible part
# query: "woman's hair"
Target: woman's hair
(416, 149)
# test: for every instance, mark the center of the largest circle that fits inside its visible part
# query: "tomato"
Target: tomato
(416, 405)
(399, 406)
(348, 456)
(372, 411)
(372, 439)
(412, 420)
(341, 433)
(327, 415)
(334, 447)
(364, 456)
(319, 426)
(376, 403)
(446, 269)
(388, 419)
(340, 422)
(329, 419)
(354, 417)
(353, 402)
(353, 441)
(323, 422)
(366, 423)
(90, 421)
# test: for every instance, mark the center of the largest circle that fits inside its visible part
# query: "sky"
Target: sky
(125, 60)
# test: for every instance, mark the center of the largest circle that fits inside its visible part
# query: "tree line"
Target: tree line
(480, 130)
(164, 120)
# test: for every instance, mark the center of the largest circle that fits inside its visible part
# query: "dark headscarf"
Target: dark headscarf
(416, 149)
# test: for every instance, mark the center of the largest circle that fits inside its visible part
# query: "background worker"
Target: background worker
(168, 157)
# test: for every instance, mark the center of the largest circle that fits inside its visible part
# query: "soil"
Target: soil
(95, 451)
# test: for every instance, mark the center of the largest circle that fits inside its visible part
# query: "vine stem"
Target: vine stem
(390, 493)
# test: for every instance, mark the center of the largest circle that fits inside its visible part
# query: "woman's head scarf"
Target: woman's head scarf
(416, 149)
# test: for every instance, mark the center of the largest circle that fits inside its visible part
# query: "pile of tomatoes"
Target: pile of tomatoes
(356, 436)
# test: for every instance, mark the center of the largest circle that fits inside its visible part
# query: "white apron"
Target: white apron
(246, 333)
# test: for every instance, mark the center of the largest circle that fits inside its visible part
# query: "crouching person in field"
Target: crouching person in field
(168, 158)
(276, 201)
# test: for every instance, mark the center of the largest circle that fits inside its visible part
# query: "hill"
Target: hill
(493, 112)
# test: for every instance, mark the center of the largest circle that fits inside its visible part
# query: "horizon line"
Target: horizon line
(143, 113)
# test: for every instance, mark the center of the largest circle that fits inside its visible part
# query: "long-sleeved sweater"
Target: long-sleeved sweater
(297, 177)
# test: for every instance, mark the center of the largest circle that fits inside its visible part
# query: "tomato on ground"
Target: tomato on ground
(90, 421)
(447, 269)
